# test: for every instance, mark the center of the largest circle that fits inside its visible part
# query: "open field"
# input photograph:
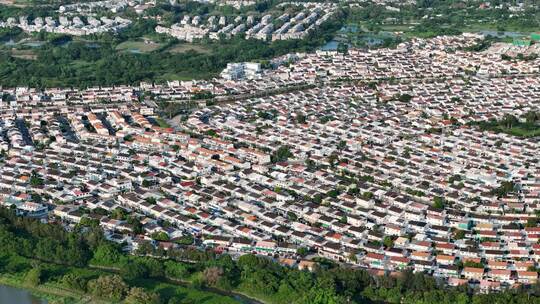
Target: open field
(185, 76)
(138, 46)
(185, 47)
(24, 54)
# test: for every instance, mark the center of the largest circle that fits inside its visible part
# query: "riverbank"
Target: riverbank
(52, 294)
(53, 288)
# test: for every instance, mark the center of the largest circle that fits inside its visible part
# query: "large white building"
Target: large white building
(242, 70)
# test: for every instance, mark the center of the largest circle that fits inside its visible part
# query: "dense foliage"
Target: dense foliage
(82, 63)
(439, 16)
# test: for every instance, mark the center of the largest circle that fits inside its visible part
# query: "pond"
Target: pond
(13, 295)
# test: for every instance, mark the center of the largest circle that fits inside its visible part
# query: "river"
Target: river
(11, 295)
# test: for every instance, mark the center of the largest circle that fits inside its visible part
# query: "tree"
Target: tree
(160, 236)
(532, 222)
(138, 295)
(146, 183)
(300, 118)
(505, 188)
(342, 48)
(473, 264)
(185, 240)
(211, 133)
(108, 287)
(509, 121)
(404, 97)
(74, 281)
(155, 267)
(439, 202)
(333, 193)
(36, 181)
(119, 214)
(460, 234)
(283, 153)
(89, 222)
(212, 275)
(136, 225)
(302, 251)
(388, 241)
(532, 117)
(107, 254)
(134, 270)
(176, 270)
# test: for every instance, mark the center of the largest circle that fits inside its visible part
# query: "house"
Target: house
(308, 265)
(500, 274)
(527, 277)
(473, 273)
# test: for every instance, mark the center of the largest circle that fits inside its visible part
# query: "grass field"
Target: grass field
(185, 76)
(23, 54)
(185, 47)
(522, 132)
(138, 46)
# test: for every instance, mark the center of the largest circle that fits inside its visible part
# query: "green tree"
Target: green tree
(283, 153)
(460, 234)
(302, 251)
(74, 281)
(138, 295)
(108, 287)
(108, 255)
(388, 241)
(439, 202)
(160, 236)
(134, 270)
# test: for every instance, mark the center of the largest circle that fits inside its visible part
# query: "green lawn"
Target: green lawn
(185, 76)
(138, 46)
(522, 132)
(185, 47)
